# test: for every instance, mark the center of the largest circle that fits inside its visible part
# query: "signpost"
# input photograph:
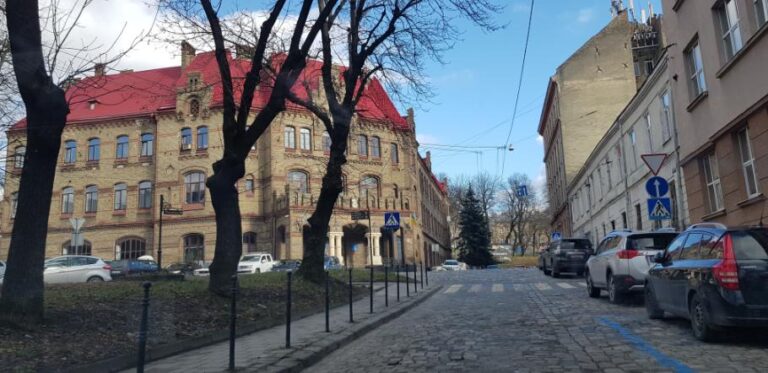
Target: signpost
(556, 236)
(654, 161)
(392, 221)
(522, 191)
(659, 207)
(77, 237)
(165, 208)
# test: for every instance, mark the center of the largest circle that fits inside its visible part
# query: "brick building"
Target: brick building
(133, 137)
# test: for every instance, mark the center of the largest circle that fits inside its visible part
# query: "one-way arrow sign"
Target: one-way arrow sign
(654, 161)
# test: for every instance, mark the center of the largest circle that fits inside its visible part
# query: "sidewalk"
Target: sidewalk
(265, 350)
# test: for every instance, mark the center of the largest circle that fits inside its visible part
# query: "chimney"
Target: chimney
(410, 119)
(187, 53)
(428, 160)
(99, 68)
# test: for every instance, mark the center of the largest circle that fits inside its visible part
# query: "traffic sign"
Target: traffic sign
(77, 224)
(654, 161)
(659, 209)
(522, 191)
(657, 187)
(555, 236)
(392, 220)
(171, 211)
(359, 215)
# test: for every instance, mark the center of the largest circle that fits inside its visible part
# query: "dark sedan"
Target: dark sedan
(286, 265)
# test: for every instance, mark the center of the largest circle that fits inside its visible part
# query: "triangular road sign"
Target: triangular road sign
(654, 161)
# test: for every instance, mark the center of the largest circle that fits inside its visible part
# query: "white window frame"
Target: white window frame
(649, 128)
(762, 14)
(728, 15)
(290, 137)
(696, 69)
(747, 163)
(305, 138)
(120, 202)
(666, 115)
(633, 145)
(712, 179)
(68, 200)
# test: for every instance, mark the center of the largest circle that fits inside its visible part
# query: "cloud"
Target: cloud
(585, 15)
(540, 139)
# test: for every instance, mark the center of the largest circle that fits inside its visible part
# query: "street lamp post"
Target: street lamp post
(164, 209)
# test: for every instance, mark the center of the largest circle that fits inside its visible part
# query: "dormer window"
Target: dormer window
(92, 104)
(194, 80)
(194, 107)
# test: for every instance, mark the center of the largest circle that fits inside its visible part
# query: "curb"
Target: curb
(300, 359)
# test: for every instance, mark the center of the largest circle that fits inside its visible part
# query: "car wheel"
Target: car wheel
(702, 330)
(651, 304)
(580, 273)
(591, 289)
(545, 270)
(95, 279)
(555, 272)
(258, 270)
(614, 294)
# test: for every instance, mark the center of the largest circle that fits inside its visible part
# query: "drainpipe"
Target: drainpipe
(678, 174)
(625, 173)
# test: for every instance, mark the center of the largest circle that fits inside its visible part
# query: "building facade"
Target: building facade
(718, 53)
(133, 138)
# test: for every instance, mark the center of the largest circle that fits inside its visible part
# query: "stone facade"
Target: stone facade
(166, 150)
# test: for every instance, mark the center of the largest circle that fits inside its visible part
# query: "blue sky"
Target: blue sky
(475, 90)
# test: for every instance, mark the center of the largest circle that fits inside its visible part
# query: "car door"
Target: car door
(55, 270)
(77, 269)
(603, 259)
(595, 265)
(660, 274)
(681, 271)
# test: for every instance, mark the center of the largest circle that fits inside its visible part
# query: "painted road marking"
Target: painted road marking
(452, 289)
(518, 287)
(565, 285)
(497, 288)
(542, 286)
(645, 347)
(475, 288)
(582, 284)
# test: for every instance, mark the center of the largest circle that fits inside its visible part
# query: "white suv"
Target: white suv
(76, 268)
(255, 263)
(622, 260)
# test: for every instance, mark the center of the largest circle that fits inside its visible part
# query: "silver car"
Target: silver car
(452, 265)
(622, 260)
(76, 268)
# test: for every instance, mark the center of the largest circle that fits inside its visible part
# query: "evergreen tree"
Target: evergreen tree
(474, 236)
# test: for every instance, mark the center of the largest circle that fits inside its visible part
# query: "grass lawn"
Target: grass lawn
(90, 322)
(524, 261)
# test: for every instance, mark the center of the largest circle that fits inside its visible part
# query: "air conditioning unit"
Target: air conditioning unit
(186, 146)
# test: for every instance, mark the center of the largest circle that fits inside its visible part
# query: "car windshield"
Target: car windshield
(451, 263)
(576, 245)
(751, 245)
(651, 241)
(251, 258)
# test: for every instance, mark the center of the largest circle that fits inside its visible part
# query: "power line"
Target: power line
(519, 83)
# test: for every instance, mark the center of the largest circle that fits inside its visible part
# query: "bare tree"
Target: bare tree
(457, 188)
(518, 209)
(486, 188)
(383, 40)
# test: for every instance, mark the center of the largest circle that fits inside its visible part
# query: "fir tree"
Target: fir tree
(475, 236)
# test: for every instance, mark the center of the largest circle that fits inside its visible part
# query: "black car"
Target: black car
(565, 255)
(183, 268)
(713, 275)
(286, 265)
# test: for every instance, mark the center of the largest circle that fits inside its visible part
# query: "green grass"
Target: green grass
(364, 275)
(524, 261)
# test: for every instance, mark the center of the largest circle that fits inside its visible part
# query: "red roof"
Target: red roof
(131, 94)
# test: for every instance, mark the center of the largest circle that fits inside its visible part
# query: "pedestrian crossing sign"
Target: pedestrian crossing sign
(659, 209)
(392, 220)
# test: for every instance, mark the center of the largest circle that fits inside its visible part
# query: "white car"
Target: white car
(451, 265)
(202, 271)
(76, 268)
(2, 271)
(255, 263)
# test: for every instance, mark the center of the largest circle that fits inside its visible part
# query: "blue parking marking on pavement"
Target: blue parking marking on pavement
(646, 347)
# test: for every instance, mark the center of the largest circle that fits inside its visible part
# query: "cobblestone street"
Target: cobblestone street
(519, 320)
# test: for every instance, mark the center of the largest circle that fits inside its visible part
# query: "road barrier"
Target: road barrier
(233, 324)
(421, 269)
(397, 275)
(351, 319)
(143, 328)
(407, 282)
(386, 286)
(288, 311)
(327, 304)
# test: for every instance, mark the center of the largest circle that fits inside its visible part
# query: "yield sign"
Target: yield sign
(654, 161)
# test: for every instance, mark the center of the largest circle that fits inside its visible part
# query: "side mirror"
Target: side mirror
(660, 258)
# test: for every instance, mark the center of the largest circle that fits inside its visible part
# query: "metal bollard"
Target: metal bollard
(397, 275)
(386, 286)
(421, 267)
(351, 319)
(143, 327)
(288, 312)
(415, 280)
(407, 282)
(426, 276)
(327, 304)
(232, 324)
(371, 283)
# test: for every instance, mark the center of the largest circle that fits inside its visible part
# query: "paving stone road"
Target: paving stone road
(518, 320)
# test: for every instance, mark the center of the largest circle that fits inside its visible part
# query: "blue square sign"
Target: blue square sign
(659, 209)
(392, 220)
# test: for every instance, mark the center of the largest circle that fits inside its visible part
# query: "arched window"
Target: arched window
(194, 107)
(68, 249)
(299, 181)
(67, 200)
(202, 137)
(194, 187)
(249, 184)
(375, 147)
(305, 139)
(91, 198)
(121, 151)
(121, 196)
(343, 184)
(94, 149)
(249, 242)
(194, 248)
(70, 151)
(145, 194)
(147, 144)
(290, 137)
(186, 138)
(326, 142)
(362, 145)
(130, 248)
(18, 156)
(14, 204)
(369, 186)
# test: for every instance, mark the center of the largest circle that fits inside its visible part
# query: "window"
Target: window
(639, 216)
(249, 184)
(729, 24)
(194, 105)
(194, 187)
(648, 67)
(147, 144)
(362, 145)
(70, 151)
(194, 248)
(68, 249)
(290, 137)
(186, 138)
(673, 250)
(249, 242)
(698, 84)
(121, 197)
(202, 138)
(131, 248)
(369, 186)
(691, 248)
(326, 142)
(375, 147)
(94, 150)
(747, 162)
(607, 163)
(396, 191)
(393, 153)
(666, 116)
(633, 146)
(145, 194)
(91, 199)
(712, 178)
(298, 181)
(761, 10)
(18, 156)
(648, 126)
(14, 204)
(67, 200)
(305, 139)
(624, 220)
(121, 151)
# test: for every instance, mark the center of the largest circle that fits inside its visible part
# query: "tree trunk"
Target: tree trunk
(226, 204)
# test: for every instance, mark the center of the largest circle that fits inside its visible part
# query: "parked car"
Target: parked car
(203, 270)
(622, 260)
(451, 265)
(127, 267)
(716, 276)
(2, 271)
(255, 263)
(332, 263)
(286, 265)
(76, 268)
(183, 268)
(565, 255)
